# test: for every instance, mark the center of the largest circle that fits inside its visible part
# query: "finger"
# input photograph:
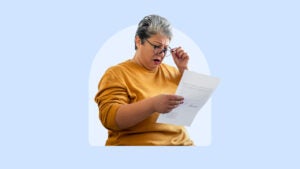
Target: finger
(183, 55)
(175, 99)
(179, 53)
(175, 51)
(174, 54)
(175, 103)
(179, 50)
(186, 56)
(169, 108)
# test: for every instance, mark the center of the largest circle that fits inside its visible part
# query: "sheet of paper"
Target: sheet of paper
(196, 89)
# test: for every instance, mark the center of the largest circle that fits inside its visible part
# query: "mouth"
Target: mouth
(157, 61)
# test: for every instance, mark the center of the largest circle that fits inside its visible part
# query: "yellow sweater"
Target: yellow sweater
(127, 83)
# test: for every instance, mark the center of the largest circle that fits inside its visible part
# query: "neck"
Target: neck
(137, 61)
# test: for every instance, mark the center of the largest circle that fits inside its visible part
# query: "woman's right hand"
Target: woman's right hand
(164, 103)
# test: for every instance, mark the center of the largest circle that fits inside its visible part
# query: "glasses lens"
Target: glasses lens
(159, 51)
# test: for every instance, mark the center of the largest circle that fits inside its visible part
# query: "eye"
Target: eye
(156, 47)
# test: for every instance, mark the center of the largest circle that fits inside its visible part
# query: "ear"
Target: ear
(138, 41)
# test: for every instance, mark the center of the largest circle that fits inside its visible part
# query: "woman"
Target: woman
(133, 93)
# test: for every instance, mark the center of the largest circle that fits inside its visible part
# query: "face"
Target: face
(150, 54)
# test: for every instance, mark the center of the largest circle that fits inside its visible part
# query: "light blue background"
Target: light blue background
(47, 48)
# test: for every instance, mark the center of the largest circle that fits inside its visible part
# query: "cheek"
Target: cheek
(147, 54)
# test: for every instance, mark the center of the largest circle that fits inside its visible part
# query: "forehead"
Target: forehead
(160, 39)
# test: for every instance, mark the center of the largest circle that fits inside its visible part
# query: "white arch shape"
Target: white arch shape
(120, 47)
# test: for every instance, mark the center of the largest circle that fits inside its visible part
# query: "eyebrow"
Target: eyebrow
(160, 44)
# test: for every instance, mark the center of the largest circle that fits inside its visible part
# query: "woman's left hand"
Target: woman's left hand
(181, 59)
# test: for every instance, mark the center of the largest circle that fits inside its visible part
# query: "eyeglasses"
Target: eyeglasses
(158, 49)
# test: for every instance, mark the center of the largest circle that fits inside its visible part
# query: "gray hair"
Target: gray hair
(151, 25)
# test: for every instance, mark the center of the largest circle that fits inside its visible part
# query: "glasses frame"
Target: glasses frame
(157, 50)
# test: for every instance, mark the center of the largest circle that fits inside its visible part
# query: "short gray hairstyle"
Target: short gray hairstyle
(151, 25)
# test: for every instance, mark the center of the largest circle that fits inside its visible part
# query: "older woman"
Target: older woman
(133, 93)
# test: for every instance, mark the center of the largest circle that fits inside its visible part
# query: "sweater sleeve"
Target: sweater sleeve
(112, 93)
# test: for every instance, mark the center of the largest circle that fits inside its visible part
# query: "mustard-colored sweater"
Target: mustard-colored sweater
(127, 83)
